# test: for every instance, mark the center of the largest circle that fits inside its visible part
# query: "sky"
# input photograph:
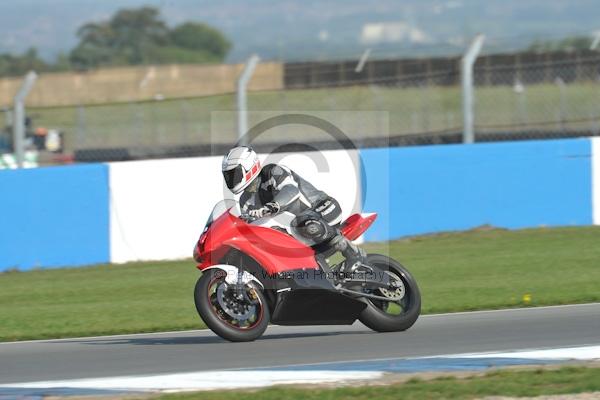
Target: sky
(308, 28)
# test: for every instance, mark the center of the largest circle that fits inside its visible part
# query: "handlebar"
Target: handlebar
(247, 218)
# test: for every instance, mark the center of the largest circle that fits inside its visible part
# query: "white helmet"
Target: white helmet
(240, 167)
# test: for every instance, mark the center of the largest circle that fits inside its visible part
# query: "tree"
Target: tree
(96, 46)
(140, 36)
(61, 63)
(136, 31)
(201, 37)
(569, 44)
(178, 55)
(11, 65)
(125, 38)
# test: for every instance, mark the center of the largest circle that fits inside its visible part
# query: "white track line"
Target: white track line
(580, 353)
(209, 380)
(591, 351)
(235, 379)
(426, 316)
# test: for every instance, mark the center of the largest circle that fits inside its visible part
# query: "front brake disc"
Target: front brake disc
(238, 310)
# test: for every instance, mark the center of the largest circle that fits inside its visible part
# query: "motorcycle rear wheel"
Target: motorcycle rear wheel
(217, 319)
(376, 315)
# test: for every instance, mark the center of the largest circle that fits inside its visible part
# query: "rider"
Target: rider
(275, 188)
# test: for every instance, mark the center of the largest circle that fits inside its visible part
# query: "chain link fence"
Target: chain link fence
(542, 99)
(515, 98)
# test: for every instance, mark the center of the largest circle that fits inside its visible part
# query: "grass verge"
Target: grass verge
(480, 269)
(568, 380)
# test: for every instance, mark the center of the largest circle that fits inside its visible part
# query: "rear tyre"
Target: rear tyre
(219, 311)
(378, 314)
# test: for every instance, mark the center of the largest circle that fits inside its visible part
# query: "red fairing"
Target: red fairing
(275, 251)
(356, 225)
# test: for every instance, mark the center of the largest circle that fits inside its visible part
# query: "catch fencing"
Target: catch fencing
(517, 96)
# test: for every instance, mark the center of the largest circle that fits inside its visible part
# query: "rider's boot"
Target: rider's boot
(351, 252)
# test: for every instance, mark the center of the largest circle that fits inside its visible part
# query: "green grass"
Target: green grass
(482, 269)
(487, 269)
(97, 300)
(411, 110)
(567, 380)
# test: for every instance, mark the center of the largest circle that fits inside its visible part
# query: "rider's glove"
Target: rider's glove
(268, 209)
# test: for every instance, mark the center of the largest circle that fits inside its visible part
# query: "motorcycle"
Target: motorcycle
(255, 272)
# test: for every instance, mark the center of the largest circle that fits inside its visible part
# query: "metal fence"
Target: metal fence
(549, 99)
(525, 98)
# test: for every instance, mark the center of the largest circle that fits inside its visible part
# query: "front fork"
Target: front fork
(244, 291)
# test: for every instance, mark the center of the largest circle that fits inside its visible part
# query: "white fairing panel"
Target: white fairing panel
(233, 274)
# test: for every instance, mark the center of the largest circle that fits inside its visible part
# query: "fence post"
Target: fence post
(466, 73)
(242, 104)
(19, 117)
(595, 41)
(361, 62)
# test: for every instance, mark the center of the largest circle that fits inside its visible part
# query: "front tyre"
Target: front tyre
(396, 314)
(235, 316)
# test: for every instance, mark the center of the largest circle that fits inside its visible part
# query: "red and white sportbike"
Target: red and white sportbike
(256, 272)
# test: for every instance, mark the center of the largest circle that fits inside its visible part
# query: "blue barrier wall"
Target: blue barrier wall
(56, 216)
(417, 190)
(60, 216)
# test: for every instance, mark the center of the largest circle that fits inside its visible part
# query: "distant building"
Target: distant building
(391, 32)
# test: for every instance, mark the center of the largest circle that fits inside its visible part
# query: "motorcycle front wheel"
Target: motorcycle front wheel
(233, 319)
(396, 314)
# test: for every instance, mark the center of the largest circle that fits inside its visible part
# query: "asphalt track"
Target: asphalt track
(169, 352)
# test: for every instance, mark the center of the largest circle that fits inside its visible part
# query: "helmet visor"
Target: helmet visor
(233, 176)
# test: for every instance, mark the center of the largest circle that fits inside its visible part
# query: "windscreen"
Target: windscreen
(222, 207)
